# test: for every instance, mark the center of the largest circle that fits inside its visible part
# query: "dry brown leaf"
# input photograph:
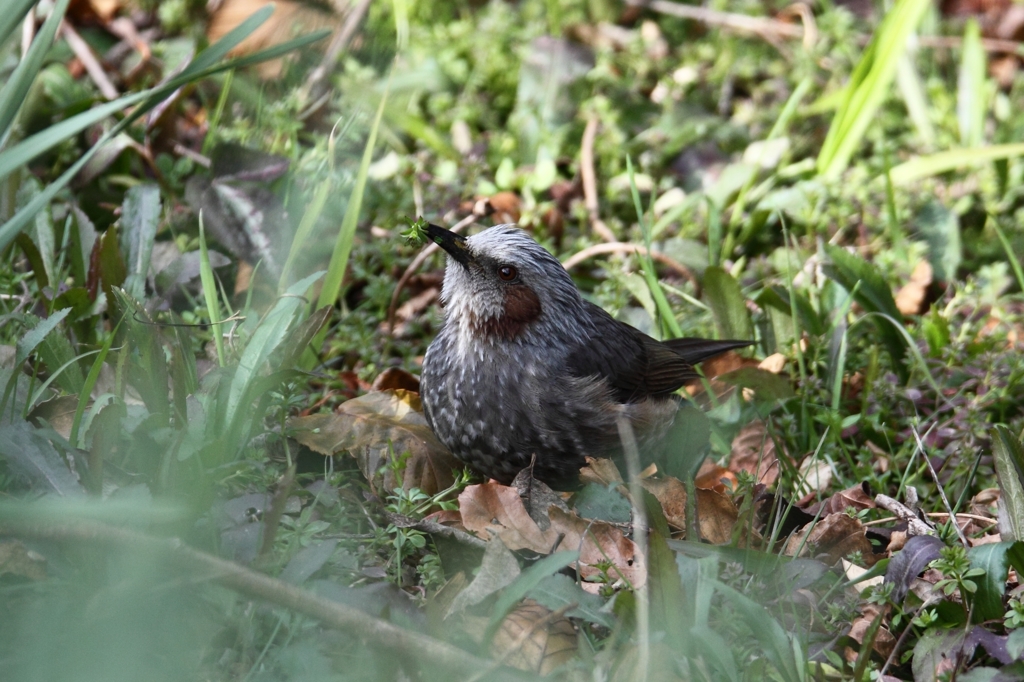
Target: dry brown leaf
(18, 560)
(896, 541)
(58, 413)
(855, 497)
(492, 510)
(395, 378)
(832, 538)
(910, 300)
(535, 639)
(410, 310)
(373, 428)
(774, 363)
(718, 366)
(753, 451)
(853, 572)
(600, 471)
(884, 641)
(712, 476)
(815, 477)
(289, 20)
(506, 207)
(89, 10)
(716, 513)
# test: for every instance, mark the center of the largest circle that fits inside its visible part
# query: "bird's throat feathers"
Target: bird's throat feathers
(520, 307)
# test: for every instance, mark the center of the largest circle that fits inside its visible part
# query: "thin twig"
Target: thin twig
(762, 26)
(589, 177)
(380, 633)
(89, 61)
(915, 526)
(420, 258)
(125, 29)
(625, 247)
(938, 484)
(937, 515)
(338, 44)
(774, 29)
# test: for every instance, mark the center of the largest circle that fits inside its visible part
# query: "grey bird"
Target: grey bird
(524, 367)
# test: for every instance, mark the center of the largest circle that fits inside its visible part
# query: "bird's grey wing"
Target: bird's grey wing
(634, 365)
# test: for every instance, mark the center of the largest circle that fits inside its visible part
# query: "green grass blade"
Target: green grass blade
(346, 235)
(269, 335)
(669, 324)
(10, 19)
(1018, 271)
(12, 96)
(90, 383)
(921, 167)
(24, 152)
(210, 292)
(971, 87)
(309, 217)
(910, 86)
(869, 85)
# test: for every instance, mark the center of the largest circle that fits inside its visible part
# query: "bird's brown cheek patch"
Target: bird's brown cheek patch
(522, 306)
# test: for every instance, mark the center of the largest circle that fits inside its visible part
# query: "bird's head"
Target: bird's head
(502, 284)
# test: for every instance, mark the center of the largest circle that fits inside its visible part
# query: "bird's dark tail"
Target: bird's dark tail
(699, 350)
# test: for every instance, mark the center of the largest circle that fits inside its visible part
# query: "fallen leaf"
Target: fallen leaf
(910, 300)
(815, 477)
(535, 639)
(774, 363)
(600, 471)
(506, 207)
(396, 378)
(855, 497)
(492, 510)
(59, 413)
(537, 497)
(716, 513)
(498, 570)
(288, 20)
(753, 451)
(712, 476)
(832, 538)
(18, 560)
(884, 641)
(376, 427)
(853, 572)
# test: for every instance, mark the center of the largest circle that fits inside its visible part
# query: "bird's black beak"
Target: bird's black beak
(454, 244)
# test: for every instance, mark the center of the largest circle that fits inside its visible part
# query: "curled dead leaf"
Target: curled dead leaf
(753, 451)
(396, 378)
(855, 497)
(600, 471)
(716, 513)
(376, 427)
(910, 300)
(289, 20)
(18, 560)
(495, 511)
(832, 538)
(535, 639)
(884, 641)
(712, 476)
(774, 363)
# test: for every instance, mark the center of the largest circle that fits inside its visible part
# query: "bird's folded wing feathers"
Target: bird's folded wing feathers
(634, 365)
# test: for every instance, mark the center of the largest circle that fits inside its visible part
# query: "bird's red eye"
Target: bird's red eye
(507, 273)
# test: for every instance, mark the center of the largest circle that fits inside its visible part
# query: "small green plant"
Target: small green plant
(958, 576)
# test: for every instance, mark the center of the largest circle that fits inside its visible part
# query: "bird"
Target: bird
(525, 371)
